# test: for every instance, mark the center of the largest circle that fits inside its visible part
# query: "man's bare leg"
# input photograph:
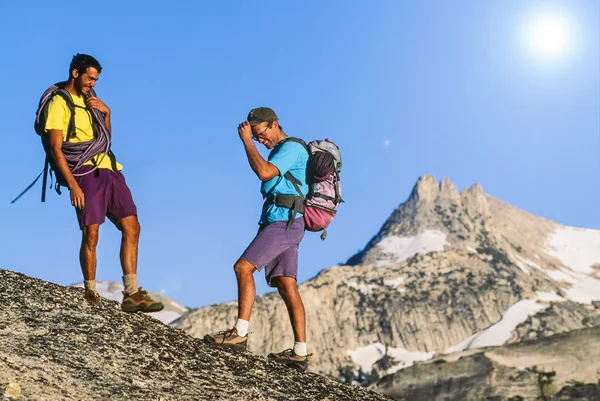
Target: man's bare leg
(87, 252)
(88, 261)
(130, 230)
(244, 272)
(130, 238)
(289, 292)
(134, 300)
(237, 338)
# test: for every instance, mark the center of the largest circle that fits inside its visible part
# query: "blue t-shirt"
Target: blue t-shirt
(292, 157)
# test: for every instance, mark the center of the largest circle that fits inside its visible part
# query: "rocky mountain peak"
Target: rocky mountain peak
(475, 203)
(425, 190)
(448, 190)
(438, 210)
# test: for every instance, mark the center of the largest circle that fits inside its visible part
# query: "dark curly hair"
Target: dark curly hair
(81, 62)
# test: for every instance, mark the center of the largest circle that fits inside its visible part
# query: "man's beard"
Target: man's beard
(79, 86)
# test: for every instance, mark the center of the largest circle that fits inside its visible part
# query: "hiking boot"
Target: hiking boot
(289, 357)
(140, 302)
(92, 297)
(228, 339)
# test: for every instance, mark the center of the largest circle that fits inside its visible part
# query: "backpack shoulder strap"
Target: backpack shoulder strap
(63, 93)
(295, 182)
(297, 140)
(289, 176)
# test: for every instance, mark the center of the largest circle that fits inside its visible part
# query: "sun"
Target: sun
(549, 35)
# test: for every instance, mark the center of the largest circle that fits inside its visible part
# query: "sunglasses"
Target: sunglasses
(261, 135)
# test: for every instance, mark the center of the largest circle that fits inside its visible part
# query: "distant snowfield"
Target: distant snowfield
(584, 290)
(114, 291)
(500, 332)
(562, 275)
(365, 357)
(549, 297)
(398, 249)
(577, 248)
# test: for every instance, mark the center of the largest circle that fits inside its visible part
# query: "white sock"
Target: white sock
(130, 281)
(89, 284)
(300, 349)
(241, 326)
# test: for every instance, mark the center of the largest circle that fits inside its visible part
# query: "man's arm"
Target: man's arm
(263, 169)
(55, 137)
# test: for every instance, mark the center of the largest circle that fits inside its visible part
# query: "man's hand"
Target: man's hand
(94, 103)
(77, 197)
(245, 131)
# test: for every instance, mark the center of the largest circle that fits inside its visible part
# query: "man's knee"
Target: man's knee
(130, 226)
(285, 285)
(243, 267)
(90, 235)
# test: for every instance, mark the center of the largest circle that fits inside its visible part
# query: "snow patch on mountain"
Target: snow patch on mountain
(523, 263)
(396, 249)
(561, 275)
(366, 357)
(584, 290)
(500, 332)
(549, 297)
(577, 248)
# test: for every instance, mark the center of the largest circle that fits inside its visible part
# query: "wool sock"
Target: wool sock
(131, 283)
(241, 326)
(300, 349)
(89, 284)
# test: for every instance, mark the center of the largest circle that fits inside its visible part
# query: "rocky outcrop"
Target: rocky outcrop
(54, 346)
(560, 367)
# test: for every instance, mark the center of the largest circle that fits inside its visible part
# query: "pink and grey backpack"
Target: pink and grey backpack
(324, 188)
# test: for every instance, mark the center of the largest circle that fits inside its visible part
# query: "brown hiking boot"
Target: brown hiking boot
(92, 297)
(289, 357)
(228, 339)
(140, 302)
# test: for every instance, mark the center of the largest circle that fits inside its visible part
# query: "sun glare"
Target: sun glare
(549, 35)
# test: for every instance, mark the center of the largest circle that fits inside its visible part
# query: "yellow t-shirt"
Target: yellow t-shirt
(58, 116)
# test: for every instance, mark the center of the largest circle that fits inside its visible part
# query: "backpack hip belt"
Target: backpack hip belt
(292, 202)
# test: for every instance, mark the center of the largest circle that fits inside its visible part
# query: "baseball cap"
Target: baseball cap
(260, 115)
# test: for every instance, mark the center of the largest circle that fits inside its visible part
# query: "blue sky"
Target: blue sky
(404, 88)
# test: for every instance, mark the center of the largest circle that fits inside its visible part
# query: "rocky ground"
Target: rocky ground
(54, 346)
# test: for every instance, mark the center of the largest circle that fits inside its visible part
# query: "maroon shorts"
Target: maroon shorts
(276, 249)
(106, 195)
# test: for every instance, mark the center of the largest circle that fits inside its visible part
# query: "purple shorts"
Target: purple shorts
(276, 249)
(106, 195)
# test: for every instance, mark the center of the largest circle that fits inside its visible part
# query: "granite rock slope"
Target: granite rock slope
(54, 346)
